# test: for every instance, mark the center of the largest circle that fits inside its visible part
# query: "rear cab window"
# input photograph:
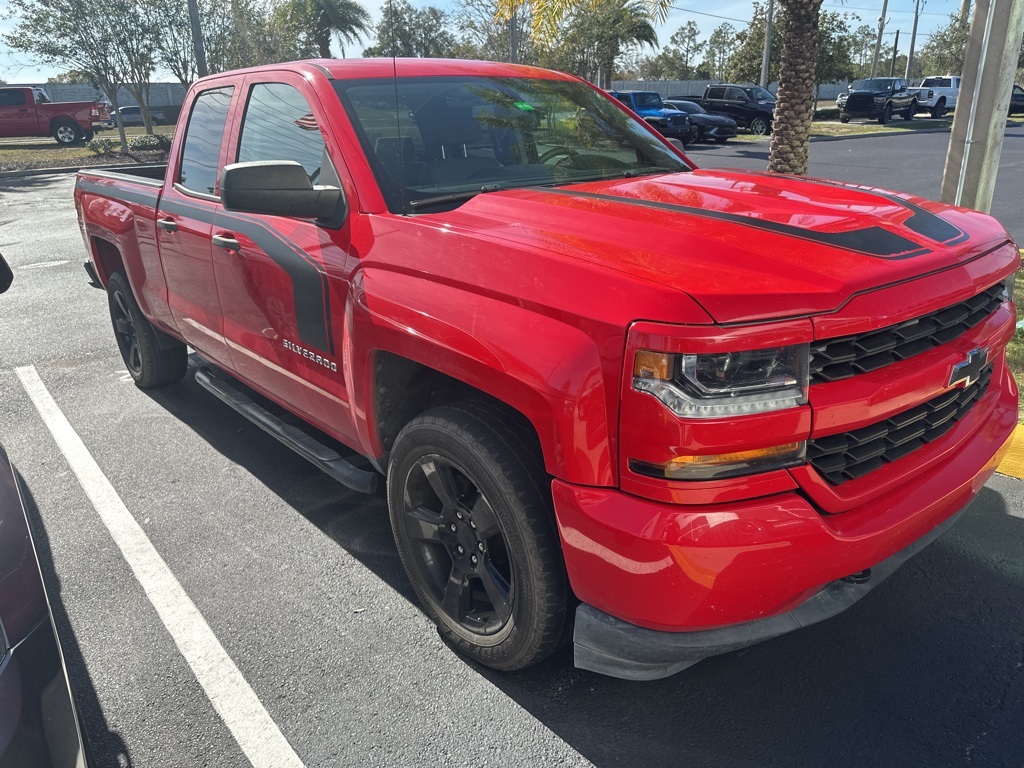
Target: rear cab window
(200, 156)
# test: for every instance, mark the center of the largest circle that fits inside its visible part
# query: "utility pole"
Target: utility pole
(878, 40)
(913, 39)
(197, 38)
(979, 122)
(766, 56)
(513, 40)
(895, 46)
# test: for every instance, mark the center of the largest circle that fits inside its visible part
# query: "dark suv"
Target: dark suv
(751, 106)
(877, 98)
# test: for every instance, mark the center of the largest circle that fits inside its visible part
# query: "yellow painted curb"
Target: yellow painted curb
(1013, 462)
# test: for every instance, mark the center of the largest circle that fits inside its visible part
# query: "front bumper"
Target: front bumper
(619, 649)
(665, 585)
(872, 111)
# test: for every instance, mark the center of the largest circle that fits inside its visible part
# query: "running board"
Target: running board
(328, 460)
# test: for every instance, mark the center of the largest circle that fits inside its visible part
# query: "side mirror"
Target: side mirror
(6, 275)
(279, 188)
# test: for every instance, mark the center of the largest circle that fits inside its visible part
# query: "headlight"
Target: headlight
(880, 99)
(725, 384)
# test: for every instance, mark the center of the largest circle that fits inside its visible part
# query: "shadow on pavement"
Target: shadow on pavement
(107, 748)
(927, 670)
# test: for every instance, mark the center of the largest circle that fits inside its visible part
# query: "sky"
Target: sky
(18, 68)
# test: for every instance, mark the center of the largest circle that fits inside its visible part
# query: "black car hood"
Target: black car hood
(870, 93)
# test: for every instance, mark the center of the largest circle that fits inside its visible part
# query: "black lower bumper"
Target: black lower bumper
(617, 648)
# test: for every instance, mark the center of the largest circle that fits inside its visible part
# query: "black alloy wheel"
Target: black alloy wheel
(125, 333)
(458, 549)
(471, 511)
(149, 363)
(886, 115)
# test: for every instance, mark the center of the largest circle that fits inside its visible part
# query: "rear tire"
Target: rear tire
(844, 119)
(911, 111)
(470, 507)
(67, 133)
(939, 110)
(759, 126)
(149, 365)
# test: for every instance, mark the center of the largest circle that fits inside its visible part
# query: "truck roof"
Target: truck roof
(382, 68)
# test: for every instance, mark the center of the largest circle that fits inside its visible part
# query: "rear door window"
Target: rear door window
(12, 98)
(200, 157)
(716, 93)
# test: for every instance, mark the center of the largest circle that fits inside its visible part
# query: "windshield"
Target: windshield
(648, 100)
(689, 106)
(450, 137)
(874, 84)
(760, 94)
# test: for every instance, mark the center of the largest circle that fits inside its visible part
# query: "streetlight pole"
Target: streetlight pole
(913, 38)
(197, 38)
(766, 56)
(878, 40)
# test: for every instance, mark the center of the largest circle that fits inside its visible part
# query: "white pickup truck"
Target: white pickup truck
(937, 94)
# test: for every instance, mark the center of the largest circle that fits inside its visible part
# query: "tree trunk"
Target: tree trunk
(794, 108)
(110, 89)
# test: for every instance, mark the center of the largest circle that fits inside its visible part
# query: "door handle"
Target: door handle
(226, 242)
(167, 225)
(23, 110)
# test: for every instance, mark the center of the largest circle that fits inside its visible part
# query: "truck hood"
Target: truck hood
(746, 246)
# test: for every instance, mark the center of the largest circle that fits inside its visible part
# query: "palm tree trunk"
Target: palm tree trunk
(794, 108)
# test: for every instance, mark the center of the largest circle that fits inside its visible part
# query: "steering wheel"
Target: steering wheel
(569, 153)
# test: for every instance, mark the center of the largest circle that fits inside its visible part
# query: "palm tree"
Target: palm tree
(794, 108)
(620, 25)
(322, 19)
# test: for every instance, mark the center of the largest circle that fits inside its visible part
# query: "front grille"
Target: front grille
(842, 358)
(860, 101)
(850, 455)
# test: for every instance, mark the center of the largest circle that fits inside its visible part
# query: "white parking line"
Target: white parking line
(232, 697)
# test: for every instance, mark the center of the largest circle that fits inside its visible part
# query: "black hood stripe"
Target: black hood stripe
(923, 222)
(870, 241)
(309, 278)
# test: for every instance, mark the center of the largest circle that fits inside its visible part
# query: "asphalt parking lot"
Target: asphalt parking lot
(299, 581)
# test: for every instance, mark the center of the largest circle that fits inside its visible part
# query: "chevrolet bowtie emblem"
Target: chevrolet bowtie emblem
(966, 373)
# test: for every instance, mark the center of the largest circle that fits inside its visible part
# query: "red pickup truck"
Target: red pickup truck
(29, 112)
(666, 412)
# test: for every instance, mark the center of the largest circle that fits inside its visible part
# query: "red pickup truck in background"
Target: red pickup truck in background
(29, 112)
(671, 411)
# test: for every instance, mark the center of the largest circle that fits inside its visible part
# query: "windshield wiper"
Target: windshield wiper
(453, 197)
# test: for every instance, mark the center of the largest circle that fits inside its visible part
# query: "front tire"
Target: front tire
(886, 115)
(148, 364)
(470, 507)
(759, 126)
(67, 133)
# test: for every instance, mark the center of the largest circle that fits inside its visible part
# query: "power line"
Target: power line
(712, 15)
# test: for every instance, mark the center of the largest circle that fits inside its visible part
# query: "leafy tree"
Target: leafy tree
(72, 77)
(592, 38)
(721, 46)
(485, 36)
(745, 64)
(321, 20)
(677, 60)
(414, 33)
(835, 48)
(946, 48)
(84, 35)
(862, 50)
